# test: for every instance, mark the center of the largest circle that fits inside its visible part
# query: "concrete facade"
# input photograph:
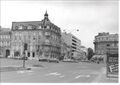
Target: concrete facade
(74, 43)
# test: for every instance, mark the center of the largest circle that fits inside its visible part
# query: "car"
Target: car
(43, 59)
(53, 60)
(69, 60)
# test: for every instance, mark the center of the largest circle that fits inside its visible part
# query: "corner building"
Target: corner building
(5, 39)
(42, 38)
(103, 41)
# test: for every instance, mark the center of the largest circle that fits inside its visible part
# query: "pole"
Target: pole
(24, 59)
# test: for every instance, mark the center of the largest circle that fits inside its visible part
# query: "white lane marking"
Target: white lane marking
(54, 74)
(99, 75)
(82, 76)
(21, 72)
(62, 76)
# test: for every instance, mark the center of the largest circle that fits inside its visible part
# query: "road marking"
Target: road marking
(54, 74)
(21, 72)
(62, 76)
(99, 75)
(87, 76)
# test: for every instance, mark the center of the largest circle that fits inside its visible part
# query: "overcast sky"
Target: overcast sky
(89, 16)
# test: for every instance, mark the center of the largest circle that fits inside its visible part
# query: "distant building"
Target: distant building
(65, 49)
(74, 43)
(42, 38)
(5, 39)
(103, 41)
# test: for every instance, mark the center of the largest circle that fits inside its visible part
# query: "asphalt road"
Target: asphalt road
(43, 72)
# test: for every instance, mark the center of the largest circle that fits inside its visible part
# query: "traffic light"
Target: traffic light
(25, 46)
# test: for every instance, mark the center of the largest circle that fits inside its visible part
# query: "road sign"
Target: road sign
(112, 64)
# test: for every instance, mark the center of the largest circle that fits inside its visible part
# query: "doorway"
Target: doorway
(33, 54)
(7, 53)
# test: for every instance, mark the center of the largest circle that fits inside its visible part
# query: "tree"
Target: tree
(90, 53)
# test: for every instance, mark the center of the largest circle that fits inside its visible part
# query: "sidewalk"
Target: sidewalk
(8, 69)
(102, 78)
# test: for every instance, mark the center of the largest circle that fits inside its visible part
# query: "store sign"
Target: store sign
(112, 65)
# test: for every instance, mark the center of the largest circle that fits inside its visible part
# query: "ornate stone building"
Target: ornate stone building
(42, 38)
(5, 39)
(103, 41)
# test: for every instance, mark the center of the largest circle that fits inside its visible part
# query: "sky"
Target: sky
(88, 16)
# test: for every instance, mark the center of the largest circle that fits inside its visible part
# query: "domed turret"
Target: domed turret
(46, 15)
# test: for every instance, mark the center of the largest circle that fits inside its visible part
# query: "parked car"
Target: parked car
(69, 60)
(43, 59)
(53, 60)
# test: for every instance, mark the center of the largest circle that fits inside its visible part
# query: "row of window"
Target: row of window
(106, 39)
(19, 36)
(37, 27)
(4, 36)
(5, 43)
(74, 40)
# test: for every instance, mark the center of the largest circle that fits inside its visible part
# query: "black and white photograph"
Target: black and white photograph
(59, 41)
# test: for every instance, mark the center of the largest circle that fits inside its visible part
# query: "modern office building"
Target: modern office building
(65, 49)
(42, 39)
(5, 39)
(74, 43)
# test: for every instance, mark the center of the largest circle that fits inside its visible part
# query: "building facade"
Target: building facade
(5, 41)
(65, 50)
(74, 43)
(42, 39)
(103, 41)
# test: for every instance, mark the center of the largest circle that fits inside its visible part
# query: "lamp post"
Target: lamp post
(24, 56)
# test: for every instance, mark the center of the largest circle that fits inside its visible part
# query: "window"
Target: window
(20, 27)
(29, 27)
(47, 41)
(40, 27)
(108, 45)
(48, 27)
(16, 27)
(33, 38)
(74, 44)
(74, 40)
(44, 26)
(15, 38)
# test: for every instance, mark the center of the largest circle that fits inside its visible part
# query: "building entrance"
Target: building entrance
(7, 53)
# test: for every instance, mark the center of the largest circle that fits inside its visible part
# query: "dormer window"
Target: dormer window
(48, 27)
(16, 27)
(20, 27)
(29, 27)
(40, 27)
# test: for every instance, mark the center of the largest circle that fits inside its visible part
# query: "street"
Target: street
(63, 72)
